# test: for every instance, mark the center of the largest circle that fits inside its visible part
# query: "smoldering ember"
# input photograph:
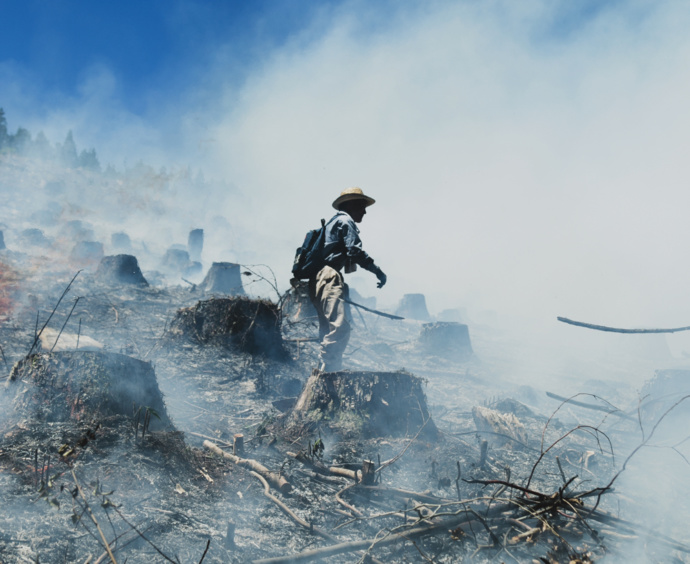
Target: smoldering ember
(157, 407)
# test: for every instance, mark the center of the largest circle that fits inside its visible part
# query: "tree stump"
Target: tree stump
(120, 269)
(660, 395)
(223, 278)
(86, 252)
(253, 326)
(175, 260)
(195, 244)
(77, 230)
(78, 385)
(121, 241)
(34, 237)
(413, 306)
(445, 338)
(372, 404)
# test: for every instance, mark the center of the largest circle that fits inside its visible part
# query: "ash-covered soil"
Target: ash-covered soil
(68, 488)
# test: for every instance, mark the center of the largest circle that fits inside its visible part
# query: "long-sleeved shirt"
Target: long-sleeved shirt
(343, 245)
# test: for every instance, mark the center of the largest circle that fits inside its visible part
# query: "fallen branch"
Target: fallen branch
(606, 410)
(617, 330)
(367, 544)
(289, 512)
(323, 469)
(274, 478)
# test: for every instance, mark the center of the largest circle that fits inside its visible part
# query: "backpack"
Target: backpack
(309, 257)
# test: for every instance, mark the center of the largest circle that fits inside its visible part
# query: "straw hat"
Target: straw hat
(352, 194)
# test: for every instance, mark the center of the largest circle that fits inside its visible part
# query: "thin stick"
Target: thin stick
(65, 323)
(617, 330)
(93, 518)
(78, 334)
(38, 334)
(208, 543)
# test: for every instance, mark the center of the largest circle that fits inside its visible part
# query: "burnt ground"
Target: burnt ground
(165, 497)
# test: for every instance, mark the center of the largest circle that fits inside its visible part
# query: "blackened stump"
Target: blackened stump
(223, 278)
(373, 404)
(446, 338)
(175, 260)
(120, 269)
(86, 252)
(195, 244)
(251, 325)
(79, 385)
(413, 306)
(121, 241)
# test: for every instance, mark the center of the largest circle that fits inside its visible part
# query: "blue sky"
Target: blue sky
(522, 118)
(150, 46)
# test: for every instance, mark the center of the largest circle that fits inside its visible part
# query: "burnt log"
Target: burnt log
(372, 404)
(195, 244)
(84, 385)
(120, 269)
(253, 326)
(446, 338)
(223, 278)
(413, 306)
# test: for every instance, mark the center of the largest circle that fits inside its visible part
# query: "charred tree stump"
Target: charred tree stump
(373, 404)
(121, 241)
(175, 260)
(253, 326)
(223, 278)
(446, 338)
(78, 385)
(87, 252)
(195, 244)
(120, 269)
(413, 306)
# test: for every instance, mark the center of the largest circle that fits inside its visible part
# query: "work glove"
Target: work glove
(382, 278)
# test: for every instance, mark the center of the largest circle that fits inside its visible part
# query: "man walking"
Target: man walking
(327, 290)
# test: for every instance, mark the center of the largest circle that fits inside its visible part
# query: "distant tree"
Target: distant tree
(68, 151)
(89, 160)
(42, 147)
(4, 137)
(21, 141)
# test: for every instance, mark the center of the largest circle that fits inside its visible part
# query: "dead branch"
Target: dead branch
(571, 401)
(323, 469)
(106, 544)
(289, 512)
(274, 478)
(460, 518)
(616, 330)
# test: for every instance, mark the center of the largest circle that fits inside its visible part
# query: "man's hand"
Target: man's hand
(382, 278)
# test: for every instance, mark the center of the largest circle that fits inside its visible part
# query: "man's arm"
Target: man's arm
(355, 253)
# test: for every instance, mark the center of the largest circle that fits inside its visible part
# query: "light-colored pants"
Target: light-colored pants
(327, 292)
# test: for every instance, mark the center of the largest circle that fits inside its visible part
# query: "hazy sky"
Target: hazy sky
(527, 157)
